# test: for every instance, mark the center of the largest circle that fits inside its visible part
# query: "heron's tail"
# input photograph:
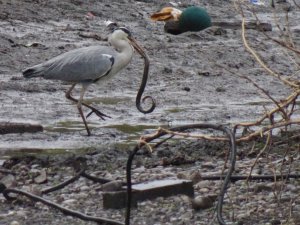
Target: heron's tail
(34, 71)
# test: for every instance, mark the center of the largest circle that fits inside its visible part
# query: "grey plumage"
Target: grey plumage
(86, 64)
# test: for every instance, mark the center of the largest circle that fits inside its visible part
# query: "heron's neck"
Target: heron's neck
(125, 53)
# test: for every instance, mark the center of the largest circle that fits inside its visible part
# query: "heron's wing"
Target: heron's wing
(80, 65)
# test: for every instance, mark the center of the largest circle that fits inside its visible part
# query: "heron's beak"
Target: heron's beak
(137, 47)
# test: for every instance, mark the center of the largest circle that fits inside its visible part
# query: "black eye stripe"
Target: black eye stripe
(125, 30)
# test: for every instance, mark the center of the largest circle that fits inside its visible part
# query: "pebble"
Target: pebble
(203, 184)
(204, 190)
(112, 186)
(69, 202)
(84, 188)
(14, 223)
(139, 170)
(195, 176)
(202, 202)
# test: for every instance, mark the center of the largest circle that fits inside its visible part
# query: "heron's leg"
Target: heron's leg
(83, 89)
(68, 93)
(94, 110)
(79, 103)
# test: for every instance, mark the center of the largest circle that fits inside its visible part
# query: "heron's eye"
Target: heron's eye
(124, 29)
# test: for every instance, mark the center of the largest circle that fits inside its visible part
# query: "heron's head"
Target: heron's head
(122, 33)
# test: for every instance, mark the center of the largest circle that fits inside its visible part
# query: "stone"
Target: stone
(203, 202)
(112, 186)
(147, 191)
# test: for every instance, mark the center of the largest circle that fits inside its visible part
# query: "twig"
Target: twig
(266, 129)
(258, 87)
(296, 4)
(297, 136)
(235, 178)
(6, 171)
(91, 35)
(64, 210)
(65, 183)
(257, 58)
(282, 43)
(163, 141)
(258, 155)
(100, 180)
(291, 41)
(188, 135)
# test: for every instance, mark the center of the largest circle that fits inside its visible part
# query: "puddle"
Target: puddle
(132, 129)
(184, 108)
(253, 103)
(15, 152)
(66, 126)
(107, 100)
(175, 110)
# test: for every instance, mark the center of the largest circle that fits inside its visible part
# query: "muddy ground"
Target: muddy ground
(185, 81)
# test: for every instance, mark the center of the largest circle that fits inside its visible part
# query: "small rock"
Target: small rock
(167, 70)
(195, 177)
(219, 31)
(112, 186)
(261, 187)
(208, 165)
(14, 223)
(183, 176)
(187, 89)
(220, 89)
(82, 195)
(275, 222)
(292, 188)
(139, 170)
(9, 181)
(204, 190)
(204, 73)
(41, 178)
(69, 202)
(203, 184)
(84, 188)
(203, 202)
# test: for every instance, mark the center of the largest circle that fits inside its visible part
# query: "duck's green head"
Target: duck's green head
(191, 19)
(194, 19)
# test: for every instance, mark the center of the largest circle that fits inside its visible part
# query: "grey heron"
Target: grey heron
(88, 65)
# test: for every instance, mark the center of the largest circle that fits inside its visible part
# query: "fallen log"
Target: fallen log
(8, 127)
(249, 25)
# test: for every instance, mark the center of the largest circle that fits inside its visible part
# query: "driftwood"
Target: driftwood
(248, 25)
(7, 128)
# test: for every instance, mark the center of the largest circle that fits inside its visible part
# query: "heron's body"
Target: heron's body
(84, 65)
(88, 65)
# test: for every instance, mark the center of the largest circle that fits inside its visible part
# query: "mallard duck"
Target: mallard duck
(191, 19)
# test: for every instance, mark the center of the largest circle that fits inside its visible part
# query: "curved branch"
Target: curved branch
(64, 210)
(258, 59)
(65, 183)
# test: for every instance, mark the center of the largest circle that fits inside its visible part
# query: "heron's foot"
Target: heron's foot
(98, 113)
